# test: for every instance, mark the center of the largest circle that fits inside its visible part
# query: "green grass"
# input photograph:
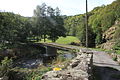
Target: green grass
(47, 40)
(29, 74)
(109, 51)
(67, 40)
(118, 51)
(64, 40)
(99, 49)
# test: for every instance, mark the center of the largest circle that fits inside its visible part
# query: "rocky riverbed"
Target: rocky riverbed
(34, 63)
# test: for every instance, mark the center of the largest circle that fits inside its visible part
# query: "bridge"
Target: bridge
(51, 48)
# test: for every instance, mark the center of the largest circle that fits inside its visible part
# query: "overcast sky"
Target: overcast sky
(67, 7)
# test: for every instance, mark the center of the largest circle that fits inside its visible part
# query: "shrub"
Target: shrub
(117, 45)
(37, 74)
(5, 66)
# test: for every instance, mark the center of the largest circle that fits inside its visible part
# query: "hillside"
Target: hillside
(100, 21)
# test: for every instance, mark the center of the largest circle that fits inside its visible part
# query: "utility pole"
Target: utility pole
(86, 20)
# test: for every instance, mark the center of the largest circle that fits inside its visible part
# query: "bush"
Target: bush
(117, 39)
(5, 66)
(37, 74)
(117, 45)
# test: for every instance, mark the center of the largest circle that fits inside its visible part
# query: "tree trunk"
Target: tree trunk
(44, 38)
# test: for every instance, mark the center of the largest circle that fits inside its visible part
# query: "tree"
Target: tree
(8, 28)
(57, 25)
(14, 28)
(25, 30)
(49, 22)
(40, 21)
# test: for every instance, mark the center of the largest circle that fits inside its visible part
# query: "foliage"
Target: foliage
(98, 39)
(5, 66)
(75, 26)
(117, 39)
(100, 19)
(37, 74)
(13, 28)
(117, 33)
(28, 74)
(63, 59)
(48, 23)
(117, 45)
(118, 51)
(115, 58)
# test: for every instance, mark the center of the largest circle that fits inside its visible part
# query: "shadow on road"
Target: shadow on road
(105, 73)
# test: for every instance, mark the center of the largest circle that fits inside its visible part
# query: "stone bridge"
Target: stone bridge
(51, 48)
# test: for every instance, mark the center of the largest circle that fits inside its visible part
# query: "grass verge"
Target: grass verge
(64, 40)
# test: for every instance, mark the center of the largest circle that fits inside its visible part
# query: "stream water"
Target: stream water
(29, 63)
(34, 63)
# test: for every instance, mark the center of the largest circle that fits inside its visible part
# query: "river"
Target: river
(34, 63)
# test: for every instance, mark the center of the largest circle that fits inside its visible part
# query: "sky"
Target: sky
(67, 7)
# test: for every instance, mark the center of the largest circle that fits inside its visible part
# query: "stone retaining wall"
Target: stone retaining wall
(80, 68)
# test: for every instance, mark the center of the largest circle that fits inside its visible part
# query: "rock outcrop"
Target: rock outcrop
(108, 36)
(116, 57)
(80, 68)
(108, 45)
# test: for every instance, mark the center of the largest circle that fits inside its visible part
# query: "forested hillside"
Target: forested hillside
(100, 19)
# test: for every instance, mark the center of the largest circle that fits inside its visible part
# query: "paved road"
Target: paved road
(102, 59)
(105, 67)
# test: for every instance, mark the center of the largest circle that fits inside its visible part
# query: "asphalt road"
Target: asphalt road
(104, 66)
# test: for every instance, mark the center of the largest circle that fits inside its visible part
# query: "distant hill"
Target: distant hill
(100, 19)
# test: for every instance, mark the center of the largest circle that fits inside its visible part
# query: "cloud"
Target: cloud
(23, 7)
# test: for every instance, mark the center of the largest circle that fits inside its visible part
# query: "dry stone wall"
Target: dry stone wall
(80, 68)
